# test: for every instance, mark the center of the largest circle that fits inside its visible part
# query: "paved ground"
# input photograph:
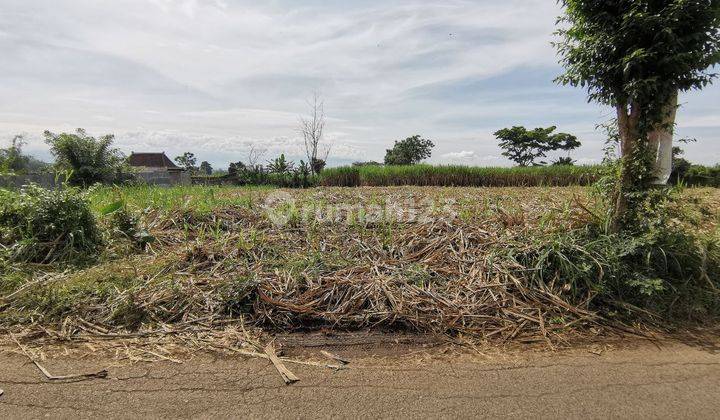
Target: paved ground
(641, 381)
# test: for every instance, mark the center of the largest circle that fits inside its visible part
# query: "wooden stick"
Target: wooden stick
(287, 376)
(83, 376)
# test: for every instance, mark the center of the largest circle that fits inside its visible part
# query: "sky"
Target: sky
(217, 77)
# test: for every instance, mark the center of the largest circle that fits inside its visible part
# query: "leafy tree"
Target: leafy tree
(564, 161)
(12, 158)
(636, 55)
(206, 168)
(89, 160)
(236, 168)
(680, 165)
(525, 147)
(280, 165)
(187, 161)
(317, 165)
(410, 151)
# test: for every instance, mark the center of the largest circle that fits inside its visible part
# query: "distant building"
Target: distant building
(157, 168)
(152, 162)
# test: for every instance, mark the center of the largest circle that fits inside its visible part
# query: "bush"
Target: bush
(44, 226)
(704, 176)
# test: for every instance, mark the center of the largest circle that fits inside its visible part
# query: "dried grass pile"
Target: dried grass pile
(465, 274)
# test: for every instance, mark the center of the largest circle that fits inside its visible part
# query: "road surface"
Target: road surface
(640, 381)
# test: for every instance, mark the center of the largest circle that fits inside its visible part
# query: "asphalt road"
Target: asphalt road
(642, 381)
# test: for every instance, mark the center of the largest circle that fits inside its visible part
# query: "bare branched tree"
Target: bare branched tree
(255, 155)
(312, 129)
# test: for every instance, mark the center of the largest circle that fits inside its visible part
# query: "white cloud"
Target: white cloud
(464, 155)
(208, 74)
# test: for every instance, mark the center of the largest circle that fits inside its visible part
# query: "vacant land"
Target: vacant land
(494, 264)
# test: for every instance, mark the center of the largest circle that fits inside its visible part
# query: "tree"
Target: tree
(12, 158)
(680, 165)
(636, 56)
(236, 168)
(187, 161)
(90, 160)
(410, 151)
(317, 166)
(206, 168)
(564, 161)
(525, 147)
(280, 165)
(255, 155)
(312, 129)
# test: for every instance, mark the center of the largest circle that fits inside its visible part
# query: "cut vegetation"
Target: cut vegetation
(509, 263)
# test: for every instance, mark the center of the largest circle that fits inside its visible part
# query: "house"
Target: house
(152, 162)
(157, 168)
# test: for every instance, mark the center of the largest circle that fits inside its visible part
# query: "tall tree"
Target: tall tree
(525, 147)
(206, 168)
(636, 55)
(410, 151)
(312, 129)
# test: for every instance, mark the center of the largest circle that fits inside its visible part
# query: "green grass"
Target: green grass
(459, 176)
(199, 198)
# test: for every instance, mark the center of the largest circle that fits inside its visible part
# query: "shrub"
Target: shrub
(43, 226)
(706, 176)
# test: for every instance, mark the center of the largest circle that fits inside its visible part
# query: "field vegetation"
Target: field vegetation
(459, 176)
(505, 263)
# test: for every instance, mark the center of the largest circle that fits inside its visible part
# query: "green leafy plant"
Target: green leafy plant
(280, 165)
(44, 226)
(91, 160)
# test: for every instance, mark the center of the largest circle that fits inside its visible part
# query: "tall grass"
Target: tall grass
(199, 198)
(459, 176)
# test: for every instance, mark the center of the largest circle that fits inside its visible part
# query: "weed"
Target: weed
(44, 226)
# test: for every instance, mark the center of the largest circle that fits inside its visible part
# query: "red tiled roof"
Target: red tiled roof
(151, 160)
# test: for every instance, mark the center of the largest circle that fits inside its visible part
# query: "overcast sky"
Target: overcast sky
(215, 76)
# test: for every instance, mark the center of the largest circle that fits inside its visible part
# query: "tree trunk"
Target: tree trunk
(660, 143)
(627, 127)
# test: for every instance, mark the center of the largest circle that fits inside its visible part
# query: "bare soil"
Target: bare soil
(392, 378)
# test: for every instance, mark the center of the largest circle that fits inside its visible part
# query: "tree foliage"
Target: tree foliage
(187, 161)
(280, 165)
(639, 52)
(12, 158)
(525, 147)
(410, 151)
(636, 55)
(90, 160)
(206, 168)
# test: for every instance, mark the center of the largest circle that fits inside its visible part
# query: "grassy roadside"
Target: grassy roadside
(505, 263)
